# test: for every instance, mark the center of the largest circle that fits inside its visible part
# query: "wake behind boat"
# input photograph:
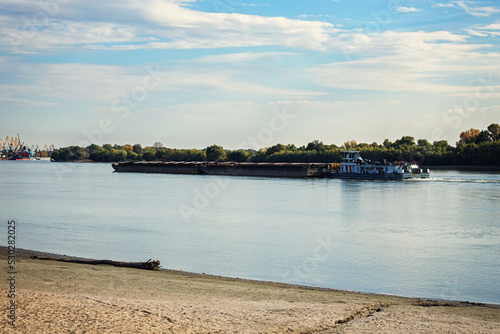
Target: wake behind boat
(355, 167)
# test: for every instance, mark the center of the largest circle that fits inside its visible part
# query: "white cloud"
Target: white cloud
(408, 9)
(444, 5)
(416, 62)
(494, 26)
(381, 44)
(5, 96)
(64, 34)
(220, 83)
(476, 11)
(256, 4)
(469, 8)
(58, 83)
(150, 25)
(208, 79)
(484, 31)
(244, 57)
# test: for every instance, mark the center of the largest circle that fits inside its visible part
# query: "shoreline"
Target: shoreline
(47, 256)
(54, 296)
(442, 167)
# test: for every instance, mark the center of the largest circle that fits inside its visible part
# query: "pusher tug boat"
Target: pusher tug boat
(354, 167)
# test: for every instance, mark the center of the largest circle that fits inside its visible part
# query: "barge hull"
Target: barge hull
(267, 172)
(356, 176)
(291, 170)
(162, 168)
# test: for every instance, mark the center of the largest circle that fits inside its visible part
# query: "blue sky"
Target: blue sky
(246, 74)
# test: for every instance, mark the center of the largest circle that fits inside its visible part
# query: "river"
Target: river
(437, 238)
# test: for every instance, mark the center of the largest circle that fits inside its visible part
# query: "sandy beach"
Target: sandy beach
(61, 297)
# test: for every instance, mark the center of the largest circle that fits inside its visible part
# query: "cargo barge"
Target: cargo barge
(166, 167)
(296, 170)
(351, 167)
(265, 169)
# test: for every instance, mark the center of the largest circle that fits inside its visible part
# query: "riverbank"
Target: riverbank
(53, 296)
(431, 167)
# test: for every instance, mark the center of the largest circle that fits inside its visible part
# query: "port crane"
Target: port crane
(14, 148)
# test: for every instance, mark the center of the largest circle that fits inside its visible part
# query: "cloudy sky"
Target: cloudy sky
(245, 73)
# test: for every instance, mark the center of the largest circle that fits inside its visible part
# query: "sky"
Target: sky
(245, 73)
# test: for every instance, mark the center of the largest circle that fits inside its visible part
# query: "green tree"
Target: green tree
(96, 153)
(149, 154)
(424, 143)
(238, 156)
(440, 145)
(107, 155)
(215, 153)
(483, 137)
(276, 148)
(161, 154)
(70, 153)
(196, 155)
(94, 148)
(132, 156)
(405, 140)
(55, 155)
(137, 148)
(315, 145)
(119, 155)
(79, 153)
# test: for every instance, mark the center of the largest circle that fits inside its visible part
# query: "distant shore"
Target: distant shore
(444, 167)
(55, 296)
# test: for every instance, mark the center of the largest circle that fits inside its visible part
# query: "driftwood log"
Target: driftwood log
(148, 265)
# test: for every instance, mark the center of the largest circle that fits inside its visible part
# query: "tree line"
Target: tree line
(475, 147)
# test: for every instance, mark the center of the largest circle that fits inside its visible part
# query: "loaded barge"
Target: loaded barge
(351, 167)
(225, 168)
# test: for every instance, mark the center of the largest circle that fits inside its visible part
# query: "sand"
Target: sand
(60, 297)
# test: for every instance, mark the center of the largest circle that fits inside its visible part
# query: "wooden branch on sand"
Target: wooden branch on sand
(148, 265)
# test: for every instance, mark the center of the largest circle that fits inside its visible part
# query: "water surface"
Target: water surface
(436, 238)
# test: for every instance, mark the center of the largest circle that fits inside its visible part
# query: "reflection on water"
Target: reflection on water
(429, 238)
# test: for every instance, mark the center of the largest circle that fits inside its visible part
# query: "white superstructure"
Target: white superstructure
(355, 167)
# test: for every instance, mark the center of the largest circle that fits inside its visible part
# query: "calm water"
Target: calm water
(438, 238)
